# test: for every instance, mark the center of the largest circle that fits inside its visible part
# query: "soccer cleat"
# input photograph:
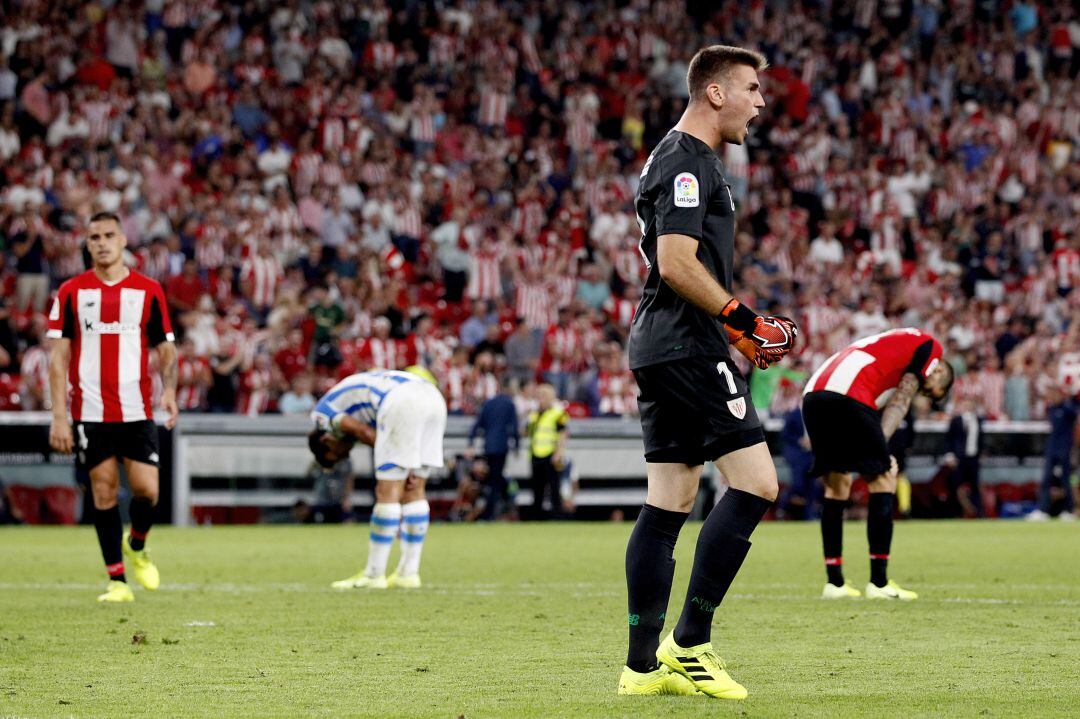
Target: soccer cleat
(659, 681)
(892, 590)
(360, 581)
(1037, 516)
(146, 573)
(702, 666)
(1067, 516)
(117, 592)
(394, 581)
(831, 591)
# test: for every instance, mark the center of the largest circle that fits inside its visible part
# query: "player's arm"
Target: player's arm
(160, 334)
(763, 340)
(898, 404)
(166, 352)
(353, 427)
(679, 267)
(60, 437)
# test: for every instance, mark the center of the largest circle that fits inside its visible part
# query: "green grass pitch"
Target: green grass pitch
(529, 621)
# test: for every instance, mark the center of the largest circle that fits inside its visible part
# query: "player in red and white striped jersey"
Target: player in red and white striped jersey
(847, 435)
(103, 324)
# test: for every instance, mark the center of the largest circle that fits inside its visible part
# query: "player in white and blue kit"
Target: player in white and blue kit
(403, 416)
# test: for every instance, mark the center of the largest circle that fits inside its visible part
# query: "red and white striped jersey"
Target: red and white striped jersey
(112, 328)
(190, 389)
(493, 107)
(375, 353)
(255, 392)
(534, 303)
(873, 366)
(35, 377)
(264, 274)
(485, 272)
(1066, 264)
(618, 392)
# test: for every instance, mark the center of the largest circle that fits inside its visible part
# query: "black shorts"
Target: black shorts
(845, 435)
(96, 442)
(695, 410)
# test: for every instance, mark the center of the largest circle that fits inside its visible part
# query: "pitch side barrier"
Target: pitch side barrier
(216, 460)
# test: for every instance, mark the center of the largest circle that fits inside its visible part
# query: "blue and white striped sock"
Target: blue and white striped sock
(385, 519)
(414, 526)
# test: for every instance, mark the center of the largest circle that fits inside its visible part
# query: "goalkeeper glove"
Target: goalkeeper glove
(762, 340)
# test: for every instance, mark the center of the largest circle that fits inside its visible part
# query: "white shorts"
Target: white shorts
(409, 437)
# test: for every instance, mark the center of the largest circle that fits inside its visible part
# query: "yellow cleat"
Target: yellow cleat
(394, 581)
(360, 581)
(702, 666)
(117, 592)
(146, 573)
(659, 681)
(892, 590)
(831, 591)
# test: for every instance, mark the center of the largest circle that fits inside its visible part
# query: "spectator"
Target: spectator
(474, 329)
(299, 399)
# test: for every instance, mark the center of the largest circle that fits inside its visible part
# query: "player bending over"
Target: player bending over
(840, 406)
(694, 403)
(403, 416)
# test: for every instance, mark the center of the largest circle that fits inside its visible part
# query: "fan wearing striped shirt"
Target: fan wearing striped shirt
(403, 416)
(840, 409)
(103, 324)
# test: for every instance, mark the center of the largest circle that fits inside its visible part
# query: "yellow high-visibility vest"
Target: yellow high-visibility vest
(544, 430)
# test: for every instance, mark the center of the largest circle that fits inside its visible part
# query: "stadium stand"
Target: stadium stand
(324, 187)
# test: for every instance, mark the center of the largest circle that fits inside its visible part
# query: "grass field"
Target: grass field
(529, 621)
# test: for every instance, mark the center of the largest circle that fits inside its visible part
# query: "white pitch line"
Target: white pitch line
(487, 589)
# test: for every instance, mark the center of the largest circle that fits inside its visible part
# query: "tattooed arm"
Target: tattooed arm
(166, 352)
(899, 403)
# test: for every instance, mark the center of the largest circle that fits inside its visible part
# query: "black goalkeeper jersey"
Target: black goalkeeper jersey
(682, 191)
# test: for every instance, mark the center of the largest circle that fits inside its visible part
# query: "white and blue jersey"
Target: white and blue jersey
(407, 412)
(359, 396)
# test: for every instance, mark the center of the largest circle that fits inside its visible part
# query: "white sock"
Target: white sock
(385, 519)
(414, 526)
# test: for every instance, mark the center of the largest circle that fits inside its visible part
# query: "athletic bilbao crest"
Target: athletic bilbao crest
(737, 407)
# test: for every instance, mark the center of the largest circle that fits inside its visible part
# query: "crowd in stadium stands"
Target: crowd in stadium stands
(325, 187)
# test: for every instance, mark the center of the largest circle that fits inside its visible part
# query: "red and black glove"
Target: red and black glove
(762, 340)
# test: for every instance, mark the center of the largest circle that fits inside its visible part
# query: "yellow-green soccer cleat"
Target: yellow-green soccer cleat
(145, 572)
(394, 581)
(892, 590)
(658, 681)
(117, 592)
(361, 581)
(831, 591)
(702, 666)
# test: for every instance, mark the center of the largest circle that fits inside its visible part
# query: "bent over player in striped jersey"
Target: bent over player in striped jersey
(840, 410)
(102, 326)
(403, 416)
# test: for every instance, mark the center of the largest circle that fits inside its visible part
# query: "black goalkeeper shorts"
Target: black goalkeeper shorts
(695, 410)
(845, 435)
(96, 442)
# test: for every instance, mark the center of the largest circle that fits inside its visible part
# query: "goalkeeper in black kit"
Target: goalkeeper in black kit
(694, 402)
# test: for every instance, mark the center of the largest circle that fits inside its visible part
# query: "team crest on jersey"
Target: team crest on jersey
(737, 407)
(686, 190)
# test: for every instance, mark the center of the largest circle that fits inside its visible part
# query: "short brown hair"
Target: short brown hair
(100, 216)
(713, 63)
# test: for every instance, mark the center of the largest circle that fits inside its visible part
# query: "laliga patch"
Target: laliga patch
(737, 407)
(686, 190)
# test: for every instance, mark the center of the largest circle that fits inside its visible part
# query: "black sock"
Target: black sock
(109, 533)
(721, 548)
(879, 523)
(142, 518)
(649, 570)
(832, 539)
